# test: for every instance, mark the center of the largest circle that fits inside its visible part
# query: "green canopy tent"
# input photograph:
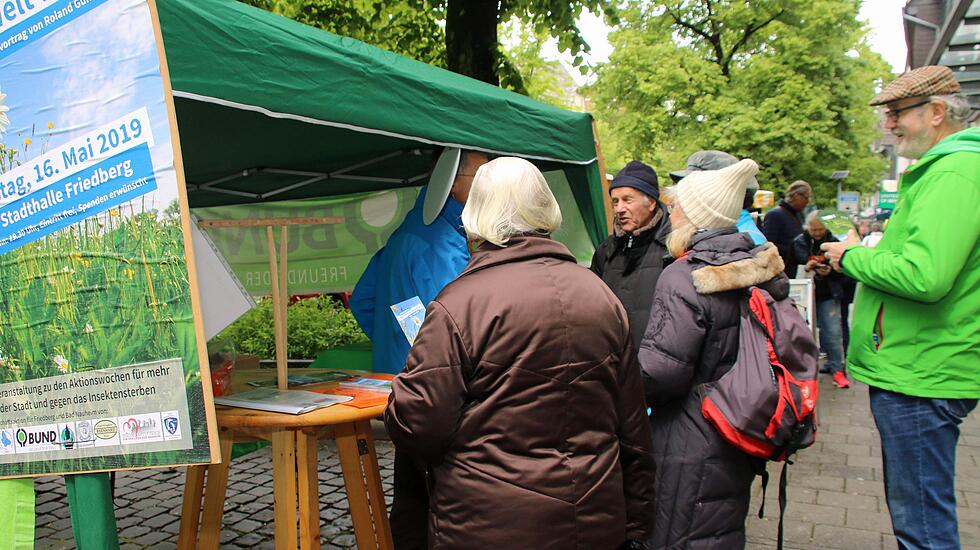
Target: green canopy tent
(269, 109)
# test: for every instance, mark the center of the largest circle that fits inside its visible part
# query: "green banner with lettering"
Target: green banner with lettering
(330, 258)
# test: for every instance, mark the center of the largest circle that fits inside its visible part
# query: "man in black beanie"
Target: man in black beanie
(631, 259)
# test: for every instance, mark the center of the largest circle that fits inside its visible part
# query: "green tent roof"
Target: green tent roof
(270, 109)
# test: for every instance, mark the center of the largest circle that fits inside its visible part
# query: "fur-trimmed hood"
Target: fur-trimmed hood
(730, 261)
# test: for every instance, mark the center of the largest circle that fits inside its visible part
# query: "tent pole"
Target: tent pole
(278, 275)
(276, 312)
(283, 297)
(606, 202)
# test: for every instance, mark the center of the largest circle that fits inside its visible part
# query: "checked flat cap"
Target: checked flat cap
(921, 82)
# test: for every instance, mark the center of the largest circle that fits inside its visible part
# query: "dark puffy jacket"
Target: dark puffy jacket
(781, 225)
(825, 287)
(703, 483)
(630, 265)
(523, 394)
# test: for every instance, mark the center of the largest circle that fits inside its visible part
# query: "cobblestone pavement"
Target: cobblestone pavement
(836, 499)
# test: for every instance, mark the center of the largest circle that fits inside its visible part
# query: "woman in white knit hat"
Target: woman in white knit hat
(702, 483)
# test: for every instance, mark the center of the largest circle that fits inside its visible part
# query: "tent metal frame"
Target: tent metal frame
(311, 177)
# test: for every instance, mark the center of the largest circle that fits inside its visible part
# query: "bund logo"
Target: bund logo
(37, 438)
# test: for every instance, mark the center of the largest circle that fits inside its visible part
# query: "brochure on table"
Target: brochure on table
(101, 339)
(281, 401)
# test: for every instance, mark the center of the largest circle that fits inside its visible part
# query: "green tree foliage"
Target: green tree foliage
(542, 79)
(784, 82)
(413, 28)
(461, 35)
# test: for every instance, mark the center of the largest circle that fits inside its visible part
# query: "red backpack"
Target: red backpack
(764, 405)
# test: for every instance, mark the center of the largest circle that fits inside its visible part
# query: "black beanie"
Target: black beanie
(639, 176)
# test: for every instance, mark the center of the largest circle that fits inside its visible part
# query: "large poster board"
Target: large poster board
(100, 335)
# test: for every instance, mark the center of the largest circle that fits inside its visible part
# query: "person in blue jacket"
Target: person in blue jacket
(425, 253)
(710, 159)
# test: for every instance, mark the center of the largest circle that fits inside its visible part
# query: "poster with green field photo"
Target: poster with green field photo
(99, 356)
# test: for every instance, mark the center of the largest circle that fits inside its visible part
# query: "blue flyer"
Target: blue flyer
(409, 315)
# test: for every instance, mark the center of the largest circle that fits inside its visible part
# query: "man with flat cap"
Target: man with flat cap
(631, 259)
(915, 337)
(710, 159)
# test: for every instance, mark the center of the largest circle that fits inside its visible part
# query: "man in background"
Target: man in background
(631, 259)
(828, 290)
(785, 222)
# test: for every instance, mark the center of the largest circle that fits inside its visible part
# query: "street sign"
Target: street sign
(849, 201)
(887, 200)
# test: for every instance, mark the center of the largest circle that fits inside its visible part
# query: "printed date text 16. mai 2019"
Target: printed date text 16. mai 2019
(119, 135)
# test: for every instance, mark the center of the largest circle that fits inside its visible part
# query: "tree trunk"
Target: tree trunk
(471, 39)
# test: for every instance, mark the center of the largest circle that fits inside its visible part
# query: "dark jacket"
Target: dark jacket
(523, 394)
(630, 265)
(781, 225)
(703, 483)
(829, 287)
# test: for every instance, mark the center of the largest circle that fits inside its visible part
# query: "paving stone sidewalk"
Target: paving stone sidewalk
(836, 500)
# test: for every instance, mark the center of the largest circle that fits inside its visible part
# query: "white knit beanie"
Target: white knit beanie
(712, 199)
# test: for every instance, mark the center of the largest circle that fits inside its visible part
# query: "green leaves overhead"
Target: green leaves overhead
(786, 83)
(417, 28)
(409, 27)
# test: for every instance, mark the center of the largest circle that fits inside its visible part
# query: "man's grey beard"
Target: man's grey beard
(914, 147)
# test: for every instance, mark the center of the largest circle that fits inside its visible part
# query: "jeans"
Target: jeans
(828, 320)
(918, 449)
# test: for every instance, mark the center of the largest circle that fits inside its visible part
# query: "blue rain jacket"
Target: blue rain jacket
(418, 260)
(747, 225)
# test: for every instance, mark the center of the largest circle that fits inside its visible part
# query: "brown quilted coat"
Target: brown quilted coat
(522, 393)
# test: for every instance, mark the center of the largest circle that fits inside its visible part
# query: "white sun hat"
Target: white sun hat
(440, 183)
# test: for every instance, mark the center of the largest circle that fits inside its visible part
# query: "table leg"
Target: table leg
(357, 497)
(376, 493)
(214, 496)
(309, 490)
(190, 513)
(284, 480)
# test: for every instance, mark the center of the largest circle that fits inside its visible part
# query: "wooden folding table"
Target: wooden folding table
(294, 465)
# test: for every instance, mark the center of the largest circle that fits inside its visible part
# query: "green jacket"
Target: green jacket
(921, 284)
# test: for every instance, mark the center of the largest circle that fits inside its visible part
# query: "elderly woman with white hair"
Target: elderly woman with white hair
(702, 482)
(522, 392)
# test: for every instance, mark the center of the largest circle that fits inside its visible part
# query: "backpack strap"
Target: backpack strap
(782, 505)
(765, 484)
